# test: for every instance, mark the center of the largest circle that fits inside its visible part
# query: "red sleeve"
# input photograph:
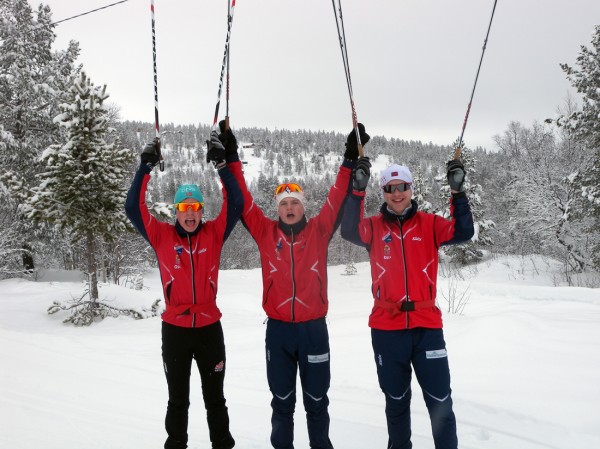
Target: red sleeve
(150, 224)
(253, 217)
(329, 216)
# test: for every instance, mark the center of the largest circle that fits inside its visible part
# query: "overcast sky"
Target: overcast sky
(413, 62)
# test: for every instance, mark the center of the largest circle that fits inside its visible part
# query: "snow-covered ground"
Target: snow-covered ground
(524, 357)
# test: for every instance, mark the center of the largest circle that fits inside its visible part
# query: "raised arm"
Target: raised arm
(331, 213)
(460, 211)
(354, 228)
(233, 200)
(252, 216)
(135, 204)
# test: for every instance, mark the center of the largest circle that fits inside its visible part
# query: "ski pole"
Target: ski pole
(161, 162)
(227, 86)
(458, 148)
(225, 53)
(344, 48)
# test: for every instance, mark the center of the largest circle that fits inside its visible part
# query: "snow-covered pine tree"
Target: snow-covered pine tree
(82, 188)
(585, 127)
(33, 78)
(421, 191)
(350, 269)
(540, 199)
(470, 251)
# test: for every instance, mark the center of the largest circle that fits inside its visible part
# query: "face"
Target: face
(397, 201)
(290, 210)
(189, 220)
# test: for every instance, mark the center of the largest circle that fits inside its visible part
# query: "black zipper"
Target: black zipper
(293, 278)
(193, 279)
(405, 269)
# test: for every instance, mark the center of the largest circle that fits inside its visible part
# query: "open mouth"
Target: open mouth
(190, 222)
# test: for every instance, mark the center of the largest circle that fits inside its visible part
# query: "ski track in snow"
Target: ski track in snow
(524, 359)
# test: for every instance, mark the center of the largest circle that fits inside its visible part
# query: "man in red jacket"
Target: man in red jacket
(293, 254)
(188, 254)
(406, 324)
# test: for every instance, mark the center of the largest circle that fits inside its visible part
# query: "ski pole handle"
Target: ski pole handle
(457, 153)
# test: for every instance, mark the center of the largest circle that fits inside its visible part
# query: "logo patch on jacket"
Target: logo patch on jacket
(387, 251)
(178, 251)
(278, 248)
(219, 366)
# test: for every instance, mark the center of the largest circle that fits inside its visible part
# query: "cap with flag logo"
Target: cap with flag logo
(395, 171)
(186, 191)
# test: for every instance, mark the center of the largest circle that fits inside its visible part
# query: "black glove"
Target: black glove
(215, 151)
(456, 175)
(361, 174)
(228, 139)
(149, 154)
(352, 145)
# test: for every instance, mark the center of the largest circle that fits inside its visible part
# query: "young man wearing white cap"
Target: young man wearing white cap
(406, 324)
(188, 254)
(293, 254)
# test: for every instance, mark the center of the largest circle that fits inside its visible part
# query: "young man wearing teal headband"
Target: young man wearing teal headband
(188, 254)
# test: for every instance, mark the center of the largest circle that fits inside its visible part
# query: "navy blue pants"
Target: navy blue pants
(204, 344)
(424, 349)
(289, 347)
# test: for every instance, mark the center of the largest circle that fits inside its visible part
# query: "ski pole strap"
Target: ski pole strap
(185, 309)
(405, 306)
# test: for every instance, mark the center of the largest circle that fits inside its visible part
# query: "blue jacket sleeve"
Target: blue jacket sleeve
(235, 199)
(132, 203)
(463, 220)
(351, 219)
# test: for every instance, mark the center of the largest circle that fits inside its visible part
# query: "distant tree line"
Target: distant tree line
(68, 159)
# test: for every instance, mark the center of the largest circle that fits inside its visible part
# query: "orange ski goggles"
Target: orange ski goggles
(288, 187)
(184, 207)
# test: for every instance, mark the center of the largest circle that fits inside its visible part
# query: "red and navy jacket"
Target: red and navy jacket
(188, 261)
(403, 252)
(294, 258)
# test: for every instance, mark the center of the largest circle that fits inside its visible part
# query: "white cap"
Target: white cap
(395, 171)
(283, 195)
(291, 193)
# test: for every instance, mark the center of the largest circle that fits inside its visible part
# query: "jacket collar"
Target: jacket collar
(294, 228)
(391, 216)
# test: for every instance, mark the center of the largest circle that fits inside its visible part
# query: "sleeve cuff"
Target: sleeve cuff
(348, 163)
(235, 157)
(459, 195)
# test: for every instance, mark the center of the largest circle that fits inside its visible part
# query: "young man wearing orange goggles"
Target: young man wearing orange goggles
(187, 252)
(293, 253)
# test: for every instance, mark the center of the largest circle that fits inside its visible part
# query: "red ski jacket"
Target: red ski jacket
(404, 259)
(294, 258)
(188, 262)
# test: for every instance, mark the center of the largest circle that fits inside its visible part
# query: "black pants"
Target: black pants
(206, 345)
